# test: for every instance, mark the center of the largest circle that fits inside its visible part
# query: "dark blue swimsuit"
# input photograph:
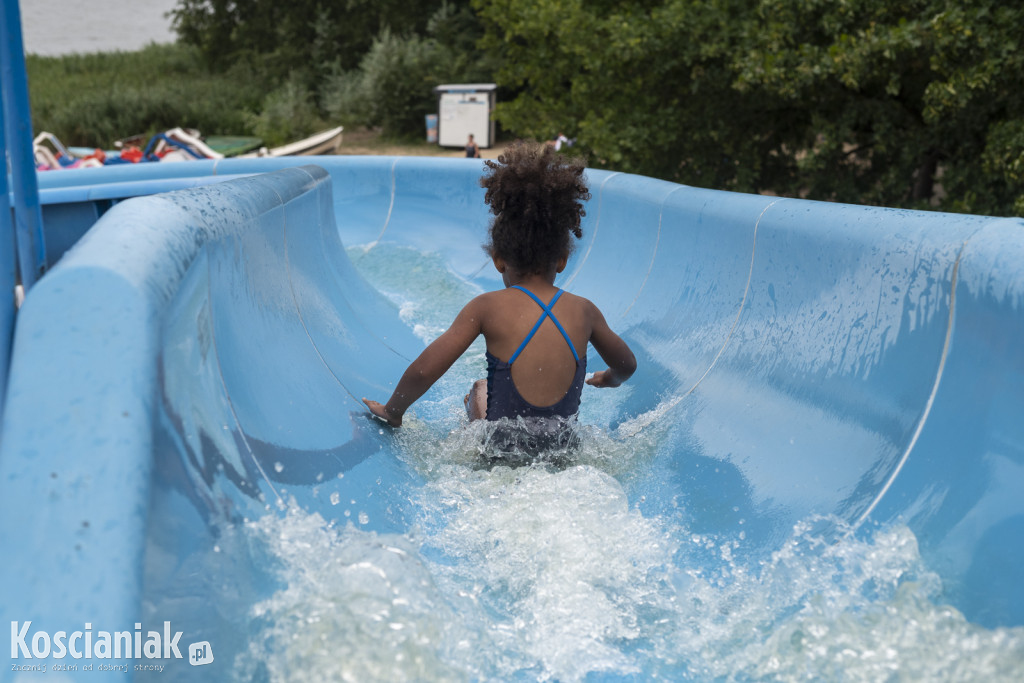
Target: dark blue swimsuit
(542, 425)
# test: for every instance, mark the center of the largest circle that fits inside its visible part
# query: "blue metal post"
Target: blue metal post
(28, 219)
(8, 276)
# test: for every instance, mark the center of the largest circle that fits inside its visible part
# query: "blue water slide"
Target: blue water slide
(196, 361)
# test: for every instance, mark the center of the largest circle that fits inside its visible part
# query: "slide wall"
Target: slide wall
(857, 363)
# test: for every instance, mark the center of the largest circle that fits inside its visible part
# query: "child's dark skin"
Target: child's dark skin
(545, 369)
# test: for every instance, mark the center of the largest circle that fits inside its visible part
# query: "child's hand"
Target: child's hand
(379, 410)
(604, 379)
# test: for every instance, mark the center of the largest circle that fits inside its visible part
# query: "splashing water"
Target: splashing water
(536, 573)
(555, 573)
(356, 606)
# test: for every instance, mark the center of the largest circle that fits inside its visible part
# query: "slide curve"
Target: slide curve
(199, 355)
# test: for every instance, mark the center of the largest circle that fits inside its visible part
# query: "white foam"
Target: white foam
(355, 606)
(554, 574)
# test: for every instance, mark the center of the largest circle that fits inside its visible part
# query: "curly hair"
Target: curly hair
(536, 196)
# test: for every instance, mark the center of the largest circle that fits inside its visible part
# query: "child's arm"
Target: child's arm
(431, 364)
(613, 351)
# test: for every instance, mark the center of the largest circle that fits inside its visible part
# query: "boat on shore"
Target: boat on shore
(233, 145)
(325, 142)
(50, 154)
(178, 144)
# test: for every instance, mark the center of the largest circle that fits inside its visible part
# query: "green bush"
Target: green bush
(286, 114)
(346, 99)
(392, 90)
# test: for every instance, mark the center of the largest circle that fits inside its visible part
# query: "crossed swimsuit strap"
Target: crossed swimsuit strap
(546, 314)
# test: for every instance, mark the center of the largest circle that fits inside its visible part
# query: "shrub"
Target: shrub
(286, 114)
(393, 88)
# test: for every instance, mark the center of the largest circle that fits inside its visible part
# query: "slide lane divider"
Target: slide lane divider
(931, 396)
(640, 423)
(227, 394)
(654, 254)
(391, 206)
(597, 224)
(302, 319)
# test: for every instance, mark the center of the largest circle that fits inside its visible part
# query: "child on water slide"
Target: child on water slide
(536, 364)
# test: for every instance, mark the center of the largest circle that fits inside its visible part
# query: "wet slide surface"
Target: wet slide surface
(817, 467)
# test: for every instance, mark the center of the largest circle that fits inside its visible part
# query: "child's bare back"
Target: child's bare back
(549, 364)
(537, 335)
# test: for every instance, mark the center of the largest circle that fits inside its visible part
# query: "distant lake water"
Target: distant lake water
(60, 27)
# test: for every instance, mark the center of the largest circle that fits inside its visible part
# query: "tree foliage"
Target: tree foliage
(392, 89)
(361, 62)
(913, 103)
(916, 103)
(288, 34)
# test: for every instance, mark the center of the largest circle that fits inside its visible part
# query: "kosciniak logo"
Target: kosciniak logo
(89, 644)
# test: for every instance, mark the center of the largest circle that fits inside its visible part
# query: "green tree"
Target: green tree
(905, 98)
(307, 35)
(979, 93)
(916, 103)
(393, 88)
(645, 87)
(368, 62)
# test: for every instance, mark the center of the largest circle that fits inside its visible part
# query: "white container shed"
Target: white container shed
(465, 109)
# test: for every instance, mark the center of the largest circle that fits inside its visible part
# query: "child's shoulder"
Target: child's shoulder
(483, 303)
(488, 298)
(576, 298)
(579, 301)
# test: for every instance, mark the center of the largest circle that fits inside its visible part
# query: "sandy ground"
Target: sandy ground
(368, 142)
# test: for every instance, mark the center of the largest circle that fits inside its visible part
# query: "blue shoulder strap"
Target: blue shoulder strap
(546, 314)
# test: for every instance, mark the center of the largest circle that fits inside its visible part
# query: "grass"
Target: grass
(364, 141)
(94, 99)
